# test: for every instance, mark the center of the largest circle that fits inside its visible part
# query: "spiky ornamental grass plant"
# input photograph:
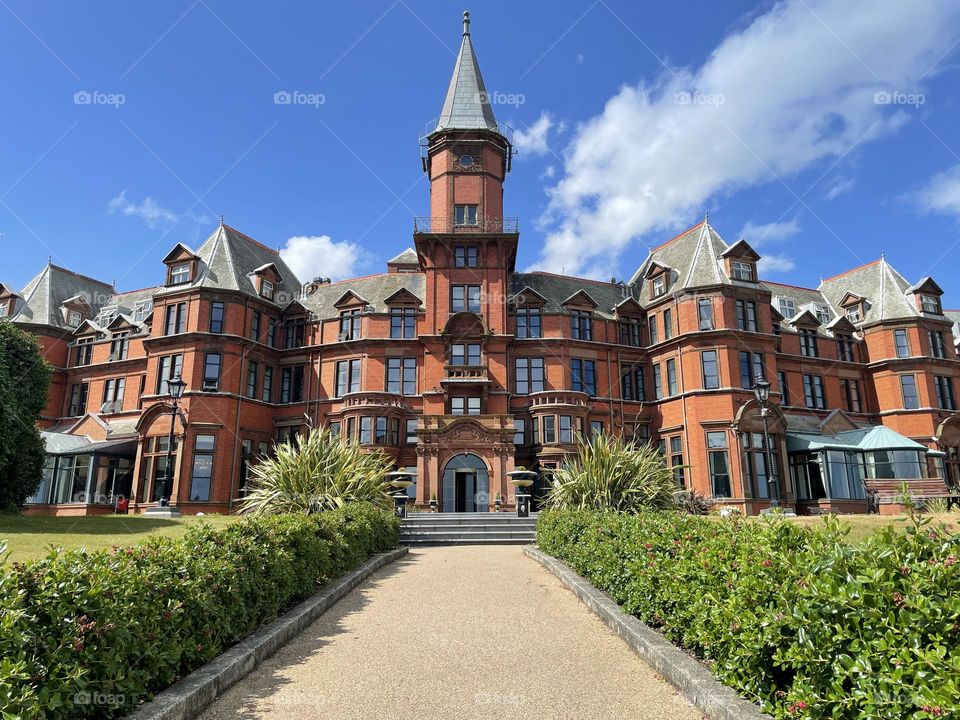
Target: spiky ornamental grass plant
(611, 473)
(321, 472)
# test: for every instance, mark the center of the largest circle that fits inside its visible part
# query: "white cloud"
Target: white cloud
(776, 263)
(759, 235)
(533, 140)
(548, 172)
(941, 195)
(840, 186)
(791, 88)
(150, 211)
(312, 256)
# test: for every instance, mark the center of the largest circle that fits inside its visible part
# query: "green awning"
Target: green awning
(868, 439)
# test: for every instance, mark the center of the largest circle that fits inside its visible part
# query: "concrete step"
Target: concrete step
(463, 522)
(462, 541)
(456, 528)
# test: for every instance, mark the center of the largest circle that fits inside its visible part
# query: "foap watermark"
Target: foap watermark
(502, 98)
(685, 97)
(895, 97)
(99, 699)
(298, 97)
(96, 97)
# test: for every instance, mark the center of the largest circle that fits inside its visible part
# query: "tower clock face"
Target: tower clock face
(466, 160)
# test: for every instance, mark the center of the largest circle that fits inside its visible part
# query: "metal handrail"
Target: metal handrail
(448, 225)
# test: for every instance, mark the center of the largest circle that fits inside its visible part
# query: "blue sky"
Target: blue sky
(823, 132)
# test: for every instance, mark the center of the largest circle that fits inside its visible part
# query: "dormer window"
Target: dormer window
(179, 274)
(74, 318)
(742, 270)
(106, 316)
(659, 286)
(142, 310)
(465, 215)
(788, 308)
(267, 289)
(822, 312)
(853, 314)
(4, 310)
(930, 304)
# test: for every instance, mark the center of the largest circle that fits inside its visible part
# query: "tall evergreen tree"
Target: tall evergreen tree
(24, 381)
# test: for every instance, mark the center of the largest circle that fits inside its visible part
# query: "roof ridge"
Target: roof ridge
(677, 236)
(79, 275)
(569, 277)
(852, 270)
(250, 239)
(796, 287)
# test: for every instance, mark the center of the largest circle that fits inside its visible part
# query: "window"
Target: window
(822, 313)
(411, 436)
(106, 316)
(366, 430)
(583, 375)
(659, 286)
(937, 347)
(705, 313)
(654, 332)
(78, 399)
(380, 431)
(170, 367)
(266, 392)
(894, 464)
(291, 384)
(252, 370)
(120, 345)
(529, 323)
(632, 386)
(851, 395)
(676, 460)
(854, 315)
(141, 310)
(202, 474)
(74, 318)
(216, 316)
(112, 395)
(784, 388)
(465, 298)
(155, 466)
(751, 365)
(529, 375)
(672, 377)
(179, 274)
(787, 307)
(667, 324)
(566, 429)
(272, 332)
(519, 431)
(845, 472)
(465, 354)
(255, 321)
(464, 406)
(581, 325)
(348, 377)
(549, 428)
(465, 256)
(711, 370)
(267, 288)
(465, 215)
(294, 332)
(351, 435)
(211, 372)
(845, 348)
(349, 325)
(902, 343)
(945, 397)
(657, 382)
(930, 304)
(402, 376)
(747, 315)
(742, 270)
(596, 428)
(176, 319)
(630, 333)
(403, 322)
(719, 463)
(394, 437)
(808, 343)
(83, 352)
(756, 462)
(813, 395)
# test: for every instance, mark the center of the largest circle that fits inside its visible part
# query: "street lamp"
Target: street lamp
(400, 480)
(175, 388)
(761, 390)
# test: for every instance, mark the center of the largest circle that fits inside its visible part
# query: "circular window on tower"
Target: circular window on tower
(466, 160)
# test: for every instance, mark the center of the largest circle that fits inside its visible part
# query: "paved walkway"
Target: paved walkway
(455, 633)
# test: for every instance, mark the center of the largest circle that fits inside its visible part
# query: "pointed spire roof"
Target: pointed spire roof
(467, 106)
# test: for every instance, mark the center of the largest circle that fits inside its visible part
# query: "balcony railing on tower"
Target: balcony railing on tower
(482, 225)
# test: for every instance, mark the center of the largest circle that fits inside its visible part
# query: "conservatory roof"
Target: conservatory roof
(876, 437)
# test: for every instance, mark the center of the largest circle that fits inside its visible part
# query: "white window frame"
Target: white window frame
(739, 268)
(180, 274)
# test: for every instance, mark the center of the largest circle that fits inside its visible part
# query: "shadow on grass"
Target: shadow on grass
(94, 525)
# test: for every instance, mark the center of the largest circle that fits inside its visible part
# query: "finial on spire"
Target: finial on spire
(706, 216)
(466, 22)
(221, 220)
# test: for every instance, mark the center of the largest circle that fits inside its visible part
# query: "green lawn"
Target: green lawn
(31, 537)
(863, 525)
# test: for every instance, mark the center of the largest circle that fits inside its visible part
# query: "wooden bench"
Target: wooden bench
(889, 492)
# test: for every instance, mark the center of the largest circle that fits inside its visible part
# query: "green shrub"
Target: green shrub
(93, 634)
(797, 619)
(611, 473)
(320, 472)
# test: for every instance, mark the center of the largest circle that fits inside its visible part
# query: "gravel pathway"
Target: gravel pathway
(455, 633)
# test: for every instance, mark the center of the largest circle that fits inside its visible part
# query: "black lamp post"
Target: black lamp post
(175, 388)
(761, 390)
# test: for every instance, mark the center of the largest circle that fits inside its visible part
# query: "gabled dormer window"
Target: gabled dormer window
(854, 315)
(179, 274)
(930, 304)
(788, 308)
(659, 286)
(822, 312)
(142, 310)
(74, 318)
(742, 270)
(267, 289)
(106, 316)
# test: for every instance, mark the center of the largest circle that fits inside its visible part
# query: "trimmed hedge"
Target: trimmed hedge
(94, 634)
(794, 618)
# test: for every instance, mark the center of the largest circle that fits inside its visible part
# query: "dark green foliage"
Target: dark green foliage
(24, 380)
(800, 620)
(93, 634)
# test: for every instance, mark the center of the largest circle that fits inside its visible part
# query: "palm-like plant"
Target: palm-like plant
(321, 472)
(610, 473)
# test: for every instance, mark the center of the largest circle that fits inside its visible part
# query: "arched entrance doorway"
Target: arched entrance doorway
(466, 485)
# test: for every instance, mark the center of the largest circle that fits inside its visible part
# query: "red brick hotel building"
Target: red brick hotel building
(463, 368)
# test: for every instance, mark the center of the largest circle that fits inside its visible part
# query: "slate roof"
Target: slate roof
(375, 289)
(884, 289)
(954, 317)
(467, 106)
(407, 257)
(228, 259)
(41, 299)
(557, 288)
(804, 300)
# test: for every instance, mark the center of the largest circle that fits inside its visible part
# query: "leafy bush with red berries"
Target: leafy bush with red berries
(94, 634)
(796, 619)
